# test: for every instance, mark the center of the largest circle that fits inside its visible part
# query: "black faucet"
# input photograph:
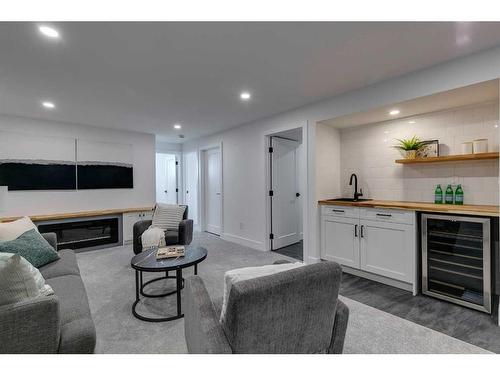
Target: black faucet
(356, 194)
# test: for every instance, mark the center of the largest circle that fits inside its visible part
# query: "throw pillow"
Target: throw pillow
(167, 216)
(240, 274)
(31, 246)
(12, 230)
(20, 280)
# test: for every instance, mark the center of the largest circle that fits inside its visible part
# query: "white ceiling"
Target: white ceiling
(463, 96)
(148, 76)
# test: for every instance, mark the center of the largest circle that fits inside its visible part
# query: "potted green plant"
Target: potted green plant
(410, 146)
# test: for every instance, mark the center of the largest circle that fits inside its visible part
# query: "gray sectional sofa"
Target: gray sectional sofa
(60, 323)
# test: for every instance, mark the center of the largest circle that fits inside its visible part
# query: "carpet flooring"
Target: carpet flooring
(109, 281)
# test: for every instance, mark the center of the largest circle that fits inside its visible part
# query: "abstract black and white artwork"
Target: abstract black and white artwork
(103, 165)
(29, 162)
(36, 162)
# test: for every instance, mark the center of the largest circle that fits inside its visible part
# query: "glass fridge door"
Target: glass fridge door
(456, 259)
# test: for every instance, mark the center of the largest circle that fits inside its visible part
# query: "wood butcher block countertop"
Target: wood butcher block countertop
(466, 209)
(71, 215)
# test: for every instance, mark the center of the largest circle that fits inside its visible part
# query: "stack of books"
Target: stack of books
(170, 252)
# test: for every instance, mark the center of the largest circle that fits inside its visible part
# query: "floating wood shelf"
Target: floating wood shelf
(450, 158)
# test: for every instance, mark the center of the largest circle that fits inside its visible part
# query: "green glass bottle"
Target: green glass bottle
(438, 195)
(448, 195)
(459, 195)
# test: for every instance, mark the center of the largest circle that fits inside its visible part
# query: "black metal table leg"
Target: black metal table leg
(196, 269)
(137, 288)
(179, 287)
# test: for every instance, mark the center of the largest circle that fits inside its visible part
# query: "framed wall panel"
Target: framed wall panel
(29, 162)
(103, 165)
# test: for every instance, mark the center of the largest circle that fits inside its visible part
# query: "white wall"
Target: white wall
(244, 181)
(243, 160)
(168, 148)
(46, 202)
(327, 162)
(366, 150)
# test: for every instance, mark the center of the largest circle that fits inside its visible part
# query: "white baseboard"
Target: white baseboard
(311, 260)
(243, 241)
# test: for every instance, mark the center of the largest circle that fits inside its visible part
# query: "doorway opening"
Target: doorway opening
(211, 177)
(167, 178)
(285, 185)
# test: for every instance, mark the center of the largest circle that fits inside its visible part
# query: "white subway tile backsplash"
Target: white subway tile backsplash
(367, 151)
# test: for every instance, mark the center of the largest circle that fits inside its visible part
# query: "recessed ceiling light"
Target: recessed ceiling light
(48, 31)
(48, 105)
(177, 126)
(495, 126)
(245, 95)
(411, 122)
(394, 112)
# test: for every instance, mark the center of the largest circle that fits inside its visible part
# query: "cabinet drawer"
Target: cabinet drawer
(340, 211)
(388, 215)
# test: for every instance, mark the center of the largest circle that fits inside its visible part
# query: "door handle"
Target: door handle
(341, 211)
(362, 232)
(166, 191)
(356, 230)
(297, 195)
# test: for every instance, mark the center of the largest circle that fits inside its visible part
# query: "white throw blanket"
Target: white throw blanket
(153, 237)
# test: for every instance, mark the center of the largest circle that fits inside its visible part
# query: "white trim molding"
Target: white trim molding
(312, 260)
(257, 245)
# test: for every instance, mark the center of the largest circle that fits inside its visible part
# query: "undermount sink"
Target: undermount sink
(348, 200)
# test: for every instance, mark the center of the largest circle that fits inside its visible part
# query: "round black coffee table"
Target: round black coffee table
(146, 262)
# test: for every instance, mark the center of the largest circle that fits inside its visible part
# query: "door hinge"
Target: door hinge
(176, 163)
(176, 190)
(271, 193)
(271, 150)
(271, 236)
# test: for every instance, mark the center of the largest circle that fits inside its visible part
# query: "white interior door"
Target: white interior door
(285, 204)
(212, 194)
(191, 183)
(166, 178)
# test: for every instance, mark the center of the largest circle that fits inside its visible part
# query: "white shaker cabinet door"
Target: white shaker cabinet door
(387, 249)
(129, 219)
(340, 241)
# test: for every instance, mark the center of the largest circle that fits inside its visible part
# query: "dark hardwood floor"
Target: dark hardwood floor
(293, 251)
(465, 324)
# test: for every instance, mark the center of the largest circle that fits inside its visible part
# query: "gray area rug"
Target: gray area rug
(109, 280)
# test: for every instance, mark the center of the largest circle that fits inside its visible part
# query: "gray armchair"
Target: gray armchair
(295, 311)
(182, 236)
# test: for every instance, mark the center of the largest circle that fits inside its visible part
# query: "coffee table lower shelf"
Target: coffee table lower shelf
(139, 291)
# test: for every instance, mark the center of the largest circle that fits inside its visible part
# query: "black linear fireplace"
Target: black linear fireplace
(84, 233)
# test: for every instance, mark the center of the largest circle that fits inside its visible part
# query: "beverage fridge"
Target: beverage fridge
(456, 259)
